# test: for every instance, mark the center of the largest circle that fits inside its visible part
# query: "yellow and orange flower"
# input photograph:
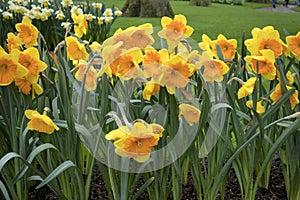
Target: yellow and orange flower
(276, 95)
(75, 49)
(293, 43)
(153, 62)
(10, 68)
(247, 87)
(213, 69)
(27, 32)
(260, 109)
(190, 113)
(266, 38)
(127, 65)
(13, 42)
(150, 89)
(30, 58)
(136, 142)
(206, 44)
(41, 123)
(81, 24)
(177, 73)
(263, 64)
(91, 75)
(174, 30)
(28, 84)
(227, 46)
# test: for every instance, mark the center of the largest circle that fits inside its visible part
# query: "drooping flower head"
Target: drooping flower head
(213, 69)
(260, 109)
(150, 89)
(91, 75)
(10, 68)
(190, 113)
(174, 30)
(293, 43)
(75, 49)
(277, 94)
(29, 84)
(40, 123)
(247, 87)
(27, 32)
(266, 38)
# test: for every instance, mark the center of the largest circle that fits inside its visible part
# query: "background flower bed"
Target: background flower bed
(59, 89)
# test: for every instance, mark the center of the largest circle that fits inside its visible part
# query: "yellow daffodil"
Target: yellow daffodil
(247, 87)
(28, 84)
(153, 62)
(227, 46)
(27, 32)
(214, 69)
(30, 58)
(13, 42)
(176, 74)
(75, 49)
(190, 113)
(40, 123)
(260, 109)
(266, 38)
(276, 95)
(174, 30)
(127, 65)
(293, 43)
(133, 36)
(263, 64)
(289, 77)
(150, 89)
(91, 75)
(96, 47)
(81, 24)
(206, 44)
(10, 68)
(136, 142)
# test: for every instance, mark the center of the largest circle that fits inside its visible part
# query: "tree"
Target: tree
(147, 8)
(200, 2)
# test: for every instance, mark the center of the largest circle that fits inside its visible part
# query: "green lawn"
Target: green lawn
(231, 21)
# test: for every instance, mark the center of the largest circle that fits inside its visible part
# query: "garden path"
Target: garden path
(280, 8)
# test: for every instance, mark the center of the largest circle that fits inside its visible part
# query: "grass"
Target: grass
(231, 21)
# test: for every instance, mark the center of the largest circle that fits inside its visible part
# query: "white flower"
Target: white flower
(76, 10)
(97, 5)
(108, 20)
(118, 13)
(59, 15)
(108, 13)
(90, 17)
(65, 24)
(66, 3)
(7, 15)
(47, 11)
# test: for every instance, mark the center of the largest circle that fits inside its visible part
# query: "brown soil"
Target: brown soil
(276, 190)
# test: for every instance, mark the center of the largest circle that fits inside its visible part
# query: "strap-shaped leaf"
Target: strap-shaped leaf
(61, 168)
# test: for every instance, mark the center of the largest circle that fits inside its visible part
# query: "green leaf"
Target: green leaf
(60, 169)
(4, 191)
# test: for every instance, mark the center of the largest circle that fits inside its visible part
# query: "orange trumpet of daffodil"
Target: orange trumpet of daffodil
(263, 64)
(10, 68)
(137, 141)
(27, 32)
(276, 95)
(293, 43)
